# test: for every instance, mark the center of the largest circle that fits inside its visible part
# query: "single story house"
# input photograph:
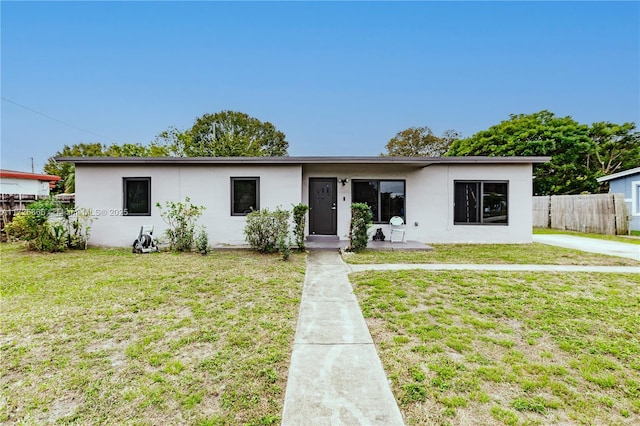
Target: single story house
(25, 183)
(441, 199)
(628, 183)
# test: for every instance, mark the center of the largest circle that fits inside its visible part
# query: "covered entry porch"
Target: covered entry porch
(326, 242)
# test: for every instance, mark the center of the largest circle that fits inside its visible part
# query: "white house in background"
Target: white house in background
(628, 183)
(442, 199)
(24, 183)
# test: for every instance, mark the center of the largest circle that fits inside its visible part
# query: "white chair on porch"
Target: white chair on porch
(397, 230)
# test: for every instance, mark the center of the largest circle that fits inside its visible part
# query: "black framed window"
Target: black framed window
(245, 195)
(481, 203)
(385, 197)
(137, 196)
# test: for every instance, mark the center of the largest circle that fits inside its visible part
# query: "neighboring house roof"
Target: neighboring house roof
(619, 174)
(52, 179)
(410, 161)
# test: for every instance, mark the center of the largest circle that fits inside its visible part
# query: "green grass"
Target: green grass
(507, 348)
(535, 254)
(633, 239)
(107, 337)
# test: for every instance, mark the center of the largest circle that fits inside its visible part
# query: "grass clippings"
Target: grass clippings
(470, 348)
(108, 337)
(532, 254)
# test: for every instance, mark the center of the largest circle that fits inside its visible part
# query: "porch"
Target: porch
(332, 242)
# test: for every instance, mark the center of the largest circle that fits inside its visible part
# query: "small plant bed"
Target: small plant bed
(532, 254)
(507, 348)
(108, 337)
(634, 238)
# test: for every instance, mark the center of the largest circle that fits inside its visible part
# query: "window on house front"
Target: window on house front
(480, 203)
(137, 196)
(245, 195)
(384, 197)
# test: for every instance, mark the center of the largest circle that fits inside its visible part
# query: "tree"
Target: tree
(539, 134)
(616, 148)
(176, 140)
(227, 134)
(67, 170)
(420, 142)
(137, 150)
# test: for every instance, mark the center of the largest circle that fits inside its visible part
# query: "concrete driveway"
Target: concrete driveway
(594, 245)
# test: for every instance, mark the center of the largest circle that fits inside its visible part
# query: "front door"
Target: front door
(323, 208)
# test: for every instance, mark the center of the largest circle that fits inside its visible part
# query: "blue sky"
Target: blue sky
(337, 78)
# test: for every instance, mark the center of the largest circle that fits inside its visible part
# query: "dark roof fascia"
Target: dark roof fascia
(408, 161)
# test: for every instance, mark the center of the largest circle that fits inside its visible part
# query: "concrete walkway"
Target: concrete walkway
(593, 245)
(335, 376)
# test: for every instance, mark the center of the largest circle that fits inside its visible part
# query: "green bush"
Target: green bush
(284, 248)
(77, 224)
(265, 229)
(181, 218)
(361, 219)
(202, 241)
(299, 213)
(17, 229)
(46, 226)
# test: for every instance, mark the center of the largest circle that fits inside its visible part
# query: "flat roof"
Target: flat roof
(619, 174)
(26, 175)
(409, 161)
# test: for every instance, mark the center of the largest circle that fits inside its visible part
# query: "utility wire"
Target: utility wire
(55, 119)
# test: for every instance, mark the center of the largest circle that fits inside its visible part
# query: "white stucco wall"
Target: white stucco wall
(99, 188)
(436, 203)
(429, 199)
(23, 186)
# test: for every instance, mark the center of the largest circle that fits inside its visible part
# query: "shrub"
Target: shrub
(202, 241)
(46, 226)
(77, 225)
(181, 218)
(265, 229)
(18, 227)
(284, 248)
(55, 239)
(361, 219)
(299, 212)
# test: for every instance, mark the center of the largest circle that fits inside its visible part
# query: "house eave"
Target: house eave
(619, 175)
(27, 175)
(406, 161)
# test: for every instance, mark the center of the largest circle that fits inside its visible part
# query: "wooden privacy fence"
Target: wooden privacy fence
(595, 213)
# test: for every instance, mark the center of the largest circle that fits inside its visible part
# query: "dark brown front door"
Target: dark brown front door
(323, 208)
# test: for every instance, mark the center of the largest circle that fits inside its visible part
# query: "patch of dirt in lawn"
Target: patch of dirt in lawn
(114, 347)
(455, 356)
(378, 330)
(61, 408)
(210, 404)
(196, 352)
(107, 345)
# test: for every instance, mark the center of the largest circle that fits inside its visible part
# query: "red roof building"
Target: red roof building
(14, 182)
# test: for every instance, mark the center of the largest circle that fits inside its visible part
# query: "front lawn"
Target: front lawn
(533, 254)
(105, 336)
(470, 348)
